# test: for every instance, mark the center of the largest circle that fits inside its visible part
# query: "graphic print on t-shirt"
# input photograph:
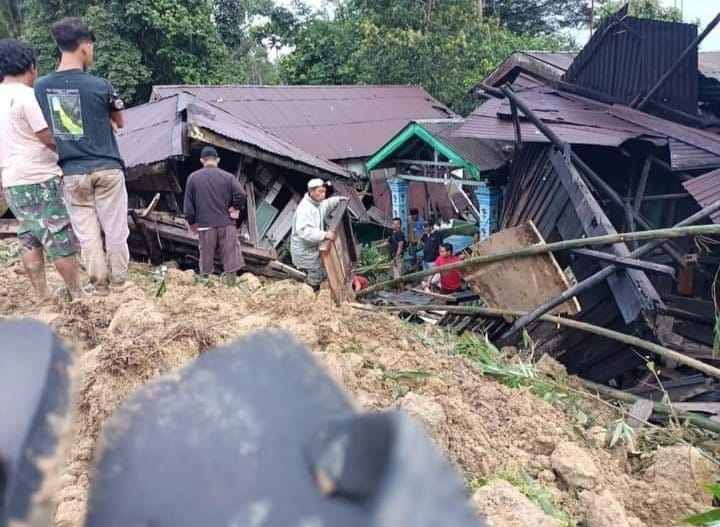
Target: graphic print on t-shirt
(66, 113)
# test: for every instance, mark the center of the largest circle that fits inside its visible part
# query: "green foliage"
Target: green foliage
(516, 372)
(146, 42)
(444, 47)
(539, 17)
(710, 518)
(9, 252)
(11, 16)
(641, 9)
(373, 263)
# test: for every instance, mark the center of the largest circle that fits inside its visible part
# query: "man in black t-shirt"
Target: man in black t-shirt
(431, 241)
(397, 243)
(83, 113)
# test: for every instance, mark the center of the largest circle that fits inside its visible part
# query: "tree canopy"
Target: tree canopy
(641, 9)
(444, 45)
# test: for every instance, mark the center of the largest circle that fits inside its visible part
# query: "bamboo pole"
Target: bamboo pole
(660, 408)
(630, 340)
(533, 250)
(602, 274)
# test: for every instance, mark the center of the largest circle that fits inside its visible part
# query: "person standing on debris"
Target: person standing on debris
(397, 243)
(213, 201)
(431, 241)
(30, 174)
(308, 231)
(83, 112)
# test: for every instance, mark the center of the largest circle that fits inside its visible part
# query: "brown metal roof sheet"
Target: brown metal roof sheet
(579, 120)
(486, 155)
(486, 123)
(154, 132)
(335, 122)
(705, 190)
(208, 116)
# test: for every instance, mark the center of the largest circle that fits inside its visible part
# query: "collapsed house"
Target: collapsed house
(344, 124)
(623, 140)
(160, 145)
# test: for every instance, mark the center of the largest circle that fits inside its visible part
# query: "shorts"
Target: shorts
(43, 219)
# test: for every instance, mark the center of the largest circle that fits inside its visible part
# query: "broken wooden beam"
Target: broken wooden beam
(632, 263)
(682, 230)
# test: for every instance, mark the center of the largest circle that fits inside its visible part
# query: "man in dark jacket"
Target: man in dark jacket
(213, 201)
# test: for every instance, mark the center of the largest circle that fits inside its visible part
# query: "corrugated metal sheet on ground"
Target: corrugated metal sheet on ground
(335, 122)
(705, 190)
(627, 58)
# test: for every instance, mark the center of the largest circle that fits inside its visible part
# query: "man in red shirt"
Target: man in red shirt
(450, 281)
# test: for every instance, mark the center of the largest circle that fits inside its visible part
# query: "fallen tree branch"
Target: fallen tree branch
(544, 248)
(630, 340)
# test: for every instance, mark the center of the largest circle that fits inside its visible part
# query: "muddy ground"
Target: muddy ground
(487, 429)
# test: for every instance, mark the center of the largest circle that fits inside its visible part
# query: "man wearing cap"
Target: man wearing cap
(213, 201)
(308, 231)
(83, 112)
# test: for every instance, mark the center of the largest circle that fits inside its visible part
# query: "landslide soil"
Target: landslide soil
(126, 339)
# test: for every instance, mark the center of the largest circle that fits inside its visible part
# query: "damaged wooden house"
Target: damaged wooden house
(160, 144)
(622, 138)
(345, 124)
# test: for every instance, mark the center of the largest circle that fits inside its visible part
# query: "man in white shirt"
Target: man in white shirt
(31, 177)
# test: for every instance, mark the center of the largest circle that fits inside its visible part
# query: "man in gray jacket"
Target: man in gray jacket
(308, 231)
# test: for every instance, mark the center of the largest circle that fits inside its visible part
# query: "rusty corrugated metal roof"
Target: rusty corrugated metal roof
(579, 120)
(575, 119)
(154, 132)
(626, 56)
(705, 190)
(486, 155)
(335, 122)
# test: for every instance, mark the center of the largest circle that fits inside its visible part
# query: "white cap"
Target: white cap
(314, 183)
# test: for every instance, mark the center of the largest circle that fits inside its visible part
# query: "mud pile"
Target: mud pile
(126, 339)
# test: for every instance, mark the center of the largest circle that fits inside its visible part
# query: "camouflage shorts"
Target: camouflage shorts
(43, 220)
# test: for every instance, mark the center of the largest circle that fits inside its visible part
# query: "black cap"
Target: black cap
(208, 151)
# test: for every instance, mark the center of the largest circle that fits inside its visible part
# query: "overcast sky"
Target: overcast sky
(703, 10)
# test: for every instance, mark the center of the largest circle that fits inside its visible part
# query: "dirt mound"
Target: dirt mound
(124, 340)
